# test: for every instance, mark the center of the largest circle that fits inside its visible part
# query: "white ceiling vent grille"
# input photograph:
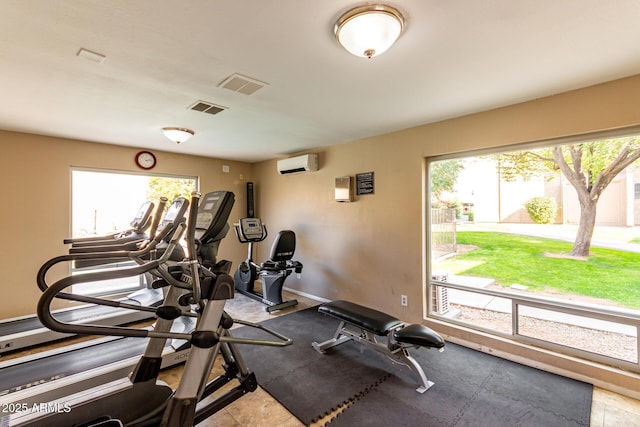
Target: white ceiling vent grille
(242, 84)
(207, 107)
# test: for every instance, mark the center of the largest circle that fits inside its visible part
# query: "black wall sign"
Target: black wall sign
(364, 183)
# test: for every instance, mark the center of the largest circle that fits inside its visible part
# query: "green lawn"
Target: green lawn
(509, 258)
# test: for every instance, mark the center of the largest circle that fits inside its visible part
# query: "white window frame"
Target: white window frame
(133, 285)
(624, 317)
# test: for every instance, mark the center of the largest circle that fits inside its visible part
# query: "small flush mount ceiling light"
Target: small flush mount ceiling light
(367, 31)
(177, 135)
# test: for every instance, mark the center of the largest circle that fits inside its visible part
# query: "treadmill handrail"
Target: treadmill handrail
(55, 291)
(137, 227)
(113, 256)
(123, 246)
(113, 239)
(113, 274)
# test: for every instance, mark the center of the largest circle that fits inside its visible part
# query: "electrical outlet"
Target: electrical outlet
(403, 300)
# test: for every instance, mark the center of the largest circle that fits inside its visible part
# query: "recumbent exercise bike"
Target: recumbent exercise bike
(273, 272)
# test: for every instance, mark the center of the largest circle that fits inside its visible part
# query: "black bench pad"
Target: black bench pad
(419, 335)
(367, 318)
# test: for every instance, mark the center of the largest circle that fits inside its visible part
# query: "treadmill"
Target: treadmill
(51, 375)
(61, 372)
(27, 331)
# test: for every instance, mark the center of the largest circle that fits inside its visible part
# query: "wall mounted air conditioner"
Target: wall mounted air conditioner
(305, 163)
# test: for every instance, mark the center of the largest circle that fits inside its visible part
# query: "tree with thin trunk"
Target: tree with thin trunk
(588, 166)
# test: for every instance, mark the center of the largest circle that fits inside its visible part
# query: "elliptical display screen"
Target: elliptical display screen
(203, 221)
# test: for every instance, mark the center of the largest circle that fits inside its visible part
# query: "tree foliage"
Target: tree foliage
(588, 166)
(444, 175)
(593, 165)
(526, 164)
(171, 188)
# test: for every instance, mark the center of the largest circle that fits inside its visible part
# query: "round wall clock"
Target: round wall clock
(145, 160)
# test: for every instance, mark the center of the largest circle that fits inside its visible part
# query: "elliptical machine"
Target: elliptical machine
(140, 400)
(273, 272)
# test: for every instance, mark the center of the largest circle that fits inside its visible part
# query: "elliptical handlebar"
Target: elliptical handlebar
(211, 337)
(192, 250)
(156, 218)
(192, 247)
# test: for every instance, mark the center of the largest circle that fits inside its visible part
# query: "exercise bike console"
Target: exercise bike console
(251, 230)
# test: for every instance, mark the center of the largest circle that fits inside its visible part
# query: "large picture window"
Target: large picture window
(104, 202)
(541, 244)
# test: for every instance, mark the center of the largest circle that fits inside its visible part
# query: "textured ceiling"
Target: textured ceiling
(162, 56)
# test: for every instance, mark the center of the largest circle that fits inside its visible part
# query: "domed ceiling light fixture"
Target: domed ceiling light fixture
(177, 135)
(370, 30)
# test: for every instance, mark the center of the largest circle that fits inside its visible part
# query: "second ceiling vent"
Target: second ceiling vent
(243, 84)
(207, 107)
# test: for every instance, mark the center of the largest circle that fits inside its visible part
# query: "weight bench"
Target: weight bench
(371, 323)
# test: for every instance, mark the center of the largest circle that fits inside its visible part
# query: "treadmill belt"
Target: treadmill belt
(39, 371)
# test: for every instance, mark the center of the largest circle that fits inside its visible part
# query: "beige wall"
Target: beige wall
(36, 190)
(371, 251)
(612, 203)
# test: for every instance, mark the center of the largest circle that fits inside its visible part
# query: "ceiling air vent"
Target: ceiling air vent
(242, 84)
(207, 107)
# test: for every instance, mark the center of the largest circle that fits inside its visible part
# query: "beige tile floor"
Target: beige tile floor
(259, 409)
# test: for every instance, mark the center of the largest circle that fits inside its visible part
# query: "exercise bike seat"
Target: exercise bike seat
(284, 246)
(273, 266)
(282, 250)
